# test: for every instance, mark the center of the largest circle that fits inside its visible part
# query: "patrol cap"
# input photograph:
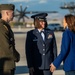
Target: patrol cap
(40, 16)
(7, 7)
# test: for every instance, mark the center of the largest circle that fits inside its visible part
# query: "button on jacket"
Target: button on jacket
(40, 53)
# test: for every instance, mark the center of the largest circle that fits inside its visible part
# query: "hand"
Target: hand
(31, 70)
(16, 55)
(52, 67)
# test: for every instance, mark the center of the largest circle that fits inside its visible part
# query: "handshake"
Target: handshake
(52, 67)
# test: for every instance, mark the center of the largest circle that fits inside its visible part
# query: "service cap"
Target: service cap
(40, 16)
(7, 7)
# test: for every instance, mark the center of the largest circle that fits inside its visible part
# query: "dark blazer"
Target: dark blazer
(40, 53)
(67, 54)
(8, 53)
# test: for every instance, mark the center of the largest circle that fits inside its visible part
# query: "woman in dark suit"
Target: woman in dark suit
(41, 47)
(67, 54)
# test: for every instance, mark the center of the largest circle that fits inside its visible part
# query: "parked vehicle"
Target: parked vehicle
(55, 27)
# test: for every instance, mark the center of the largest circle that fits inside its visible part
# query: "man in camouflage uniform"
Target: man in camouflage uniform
(8, 53)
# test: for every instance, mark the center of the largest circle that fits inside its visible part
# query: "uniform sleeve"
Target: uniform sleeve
(54, 46)
(29, 50)
(16, 54)
(64, 49)
(4, 43)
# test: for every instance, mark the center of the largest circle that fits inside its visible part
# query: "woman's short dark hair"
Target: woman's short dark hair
(36, 23)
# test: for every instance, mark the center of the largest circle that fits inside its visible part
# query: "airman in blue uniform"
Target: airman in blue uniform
(41, 47)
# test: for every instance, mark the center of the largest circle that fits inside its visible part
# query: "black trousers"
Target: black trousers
(7, 72)
(41, 72)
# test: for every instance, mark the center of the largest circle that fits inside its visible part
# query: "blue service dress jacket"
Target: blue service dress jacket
(67, 54)
(40, 53)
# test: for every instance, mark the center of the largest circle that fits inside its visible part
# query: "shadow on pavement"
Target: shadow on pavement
(21, 70)
(24, 69)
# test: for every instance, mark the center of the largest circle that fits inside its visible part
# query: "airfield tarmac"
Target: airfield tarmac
(20, 37)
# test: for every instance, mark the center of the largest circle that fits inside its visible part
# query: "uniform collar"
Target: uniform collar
(40, 30)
